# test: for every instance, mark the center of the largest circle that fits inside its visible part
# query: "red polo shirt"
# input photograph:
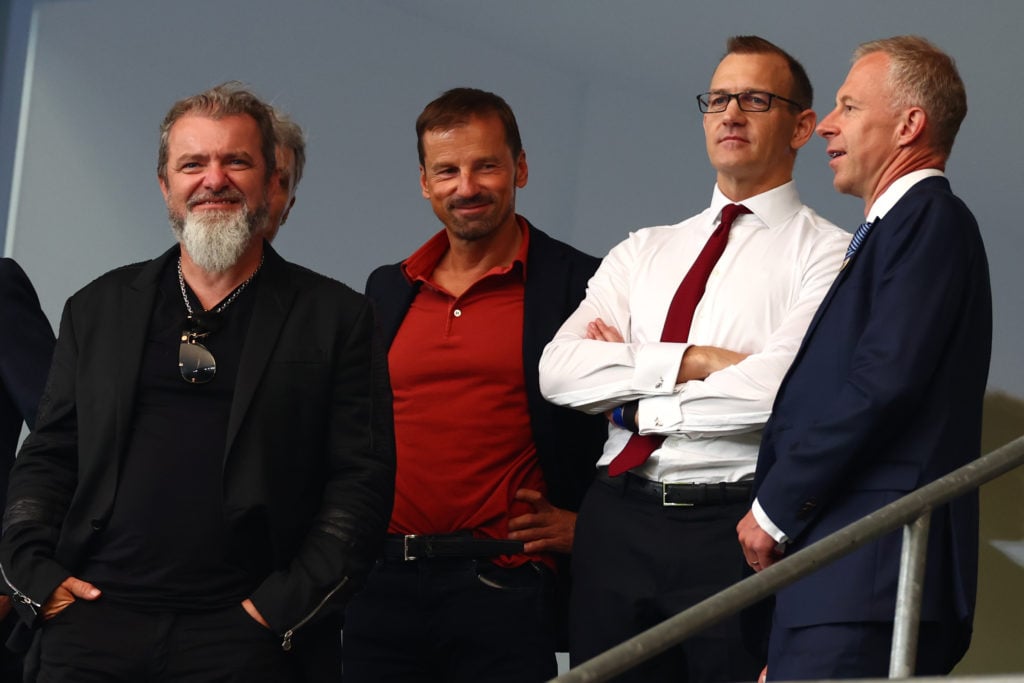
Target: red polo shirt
(462, 427)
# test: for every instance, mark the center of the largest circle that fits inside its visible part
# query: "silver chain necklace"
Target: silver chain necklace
(223, 304)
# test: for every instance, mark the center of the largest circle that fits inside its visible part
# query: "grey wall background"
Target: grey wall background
(603, 90)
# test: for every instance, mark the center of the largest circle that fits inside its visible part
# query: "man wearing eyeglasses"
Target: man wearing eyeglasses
(212, 469)
(683, 338)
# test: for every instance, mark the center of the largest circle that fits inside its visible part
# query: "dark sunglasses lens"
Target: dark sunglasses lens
(196, 363)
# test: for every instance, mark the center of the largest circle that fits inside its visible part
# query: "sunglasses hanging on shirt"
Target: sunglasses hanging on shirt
(195, 362)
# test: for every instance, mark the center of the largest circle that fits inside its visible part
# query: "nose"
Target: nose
(468, 185)
(215, 178)
(733, 113)
(826, 128)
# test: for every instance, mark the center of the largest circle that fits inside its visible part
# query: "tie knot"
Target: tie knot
(858, 238)
(729, 213)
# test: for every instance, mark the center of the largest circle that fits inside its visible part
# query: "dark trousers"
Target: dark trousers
(93, 641)
(450, 621)
(636, 563)
(10, 661)
(854, 650)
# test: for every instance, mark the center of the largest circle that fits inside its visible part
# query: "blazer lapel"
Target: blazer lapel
(136, 308)
(841, 277)
(274, 295)
(543, 299)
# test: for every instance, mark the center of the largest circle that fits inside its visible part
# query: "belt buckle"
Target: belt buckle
(665, 501)
(406, 557)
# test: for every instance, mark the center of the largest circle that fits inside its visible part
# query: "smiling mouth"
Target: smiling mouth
(213, 202)
(836, 155)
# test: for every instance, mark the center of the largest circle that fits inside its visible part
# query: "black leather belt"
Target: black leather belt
(416, 547)
(685, 495)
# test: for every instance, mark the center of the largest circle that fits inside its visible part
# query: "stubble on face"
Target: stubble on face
(475, 228)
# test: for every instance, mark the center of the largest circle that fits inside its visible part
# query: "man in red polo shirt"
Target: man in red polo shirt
(489, 474)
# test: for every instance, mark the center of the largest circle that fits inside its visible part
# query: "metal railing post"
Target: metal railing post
(902, 512)
(913, 558)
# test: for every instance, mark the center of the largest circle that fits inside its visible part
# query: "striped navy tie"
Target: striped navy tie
(858, 238)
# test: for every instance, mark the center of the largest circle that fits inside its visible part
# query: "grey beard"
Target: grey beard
(215, 240)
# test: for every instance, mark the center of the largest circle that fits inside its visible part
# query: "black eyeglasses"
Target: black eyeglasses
(196, 363)
(751, 100)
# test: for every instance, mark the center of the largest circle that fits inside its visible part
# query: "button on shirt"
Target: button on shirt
(760, 298)
(463, 438)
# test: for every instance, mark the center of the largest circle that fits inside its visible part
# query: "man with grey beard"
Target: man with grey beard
(212, 468)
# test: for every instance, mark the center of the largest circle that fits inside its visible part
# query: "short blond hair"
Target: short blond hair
(922, 75)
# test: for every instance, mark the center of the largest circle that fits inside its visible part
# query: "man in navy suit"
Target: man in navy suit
(25, 351)
(489, 474)
(885, 394)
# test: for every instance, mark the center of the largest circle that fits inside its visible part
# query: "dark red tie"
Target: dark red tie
(677, 327)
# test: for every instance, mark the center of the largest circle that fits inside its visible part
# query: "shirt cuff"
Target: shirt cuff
(657, 414)
(763, 521)
(657, 366)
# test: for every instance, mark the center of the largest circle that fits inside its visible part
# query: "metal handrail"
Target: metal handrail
(904, 511)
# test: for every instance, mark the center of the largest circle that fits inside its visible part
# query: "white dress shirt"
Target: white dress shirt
(881, 206)
(778, 264)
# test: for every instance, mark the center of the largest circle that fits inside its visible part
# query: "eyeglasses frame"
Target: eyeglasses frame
(703, 103)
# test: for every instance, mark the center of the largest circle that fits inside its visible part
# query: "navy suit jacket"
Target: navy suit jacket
(568, 442)
(26, 348)
(885, 396)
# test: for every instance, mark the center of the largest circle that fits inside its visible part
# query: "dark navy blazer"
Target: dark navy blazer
(885, 396)
(26, 348)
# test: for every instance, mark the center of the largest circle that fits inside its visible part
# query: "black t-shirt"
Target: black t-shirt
(166, 544)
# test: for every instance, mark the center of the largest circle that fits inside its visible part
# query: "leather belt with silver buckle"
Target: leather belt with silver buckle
(416, 547)
(681, 494)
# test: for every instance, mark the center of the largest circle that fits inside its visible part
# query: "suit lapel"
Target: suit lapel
(392, 308)
(841, 277)
(135, 309)
(543, 300)
(274, 295)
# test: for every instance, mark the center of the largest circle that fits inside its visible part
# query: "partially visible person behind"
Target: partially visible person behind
(684, 336)
(489, 474)
(886, 391)
(26, 348)
(211, 471)
(290, 155)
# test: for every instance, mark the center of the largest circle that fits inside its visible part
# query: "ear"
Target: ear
(423, 183)
(163, 187)
(522, 170)
(912, 124)
(803, 130)
(287, 210)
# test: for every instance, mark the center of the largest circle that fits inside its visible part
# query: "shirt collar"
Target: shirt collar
(895, 192)
(421, 264)
(773, 207)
